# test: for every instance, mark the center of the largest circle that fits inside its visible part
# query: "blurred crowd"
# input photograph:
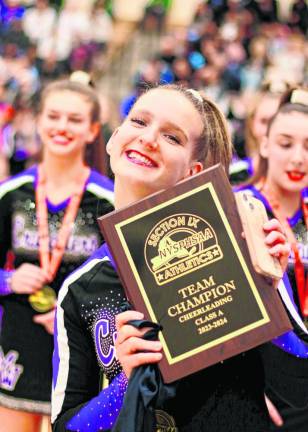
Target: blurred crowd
(231, 51)
(42, 41)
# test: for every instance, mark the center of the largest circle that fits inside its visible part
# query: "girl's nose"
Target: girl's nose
(62, 124)
(298, 154)
(149, 139)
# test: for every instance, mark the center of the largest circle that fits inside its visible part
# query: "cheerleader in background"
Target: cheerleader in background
(48, 219)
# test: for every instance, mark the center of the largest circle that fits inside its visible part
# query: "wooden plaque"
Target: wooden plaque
(184, 264)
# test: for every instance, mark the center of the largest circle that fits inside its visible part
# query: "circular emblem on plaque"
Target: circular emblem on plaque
(164, 422)
(43, 300)
(180, 244)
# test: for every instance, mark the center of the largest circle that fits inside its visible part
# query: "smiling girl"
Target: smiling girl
(48, 219)
(170, 134)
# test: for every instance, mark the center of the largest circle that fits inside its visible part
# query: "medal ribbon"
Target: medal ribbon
(51, 261)
(299, 269)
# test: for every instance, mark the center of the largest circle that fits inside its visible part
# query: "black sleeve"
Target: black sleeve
(78, 398)
(75, 370)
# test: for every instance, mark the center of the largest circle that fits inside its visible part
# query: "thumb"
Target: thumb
(38, 318)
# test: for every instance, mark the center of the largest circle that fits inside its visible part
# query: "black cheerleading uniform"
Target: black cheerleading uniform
(286, 358)
(227, 397)
(26, 347)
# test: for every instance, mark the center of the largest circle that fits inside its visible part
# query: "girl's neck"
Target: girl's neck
(61, 171)
(126, 195)
(61, 177)
(289, 201)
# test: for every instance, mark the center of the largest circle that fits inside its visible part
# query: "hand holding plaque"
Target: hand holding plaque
(253, 217)
(184, 264)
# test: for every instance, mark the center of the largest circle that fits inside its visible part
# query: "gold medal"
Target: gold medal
(43, 300)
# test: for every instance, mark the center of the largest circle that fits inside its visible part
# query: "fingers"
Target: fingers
(27, 279)
(46, 320)
(124, 317)
(274, 237)
(129, 331)
(277, 242)
(129, 363)
(273, 224)
(135, 351)
(273, 412)
(138, 344)
(280, 250)
(131, 349)
(45, 317)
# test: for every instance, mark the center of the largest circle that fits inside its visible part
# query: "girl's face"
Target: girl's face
(65, 125)
(264, 112)
(152, 149)
(286, 149)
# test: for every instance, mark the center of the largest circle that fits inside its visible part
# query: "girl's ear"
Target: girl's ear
(110, 141)
(263, 150)
(195, 168)
(95, 128)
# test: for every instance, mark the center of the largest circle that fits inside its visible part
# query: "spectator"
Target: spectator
(39, 24)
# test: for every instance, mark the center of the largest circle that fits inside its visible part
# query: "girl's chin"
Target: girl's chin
(140, 184)
(295, 186)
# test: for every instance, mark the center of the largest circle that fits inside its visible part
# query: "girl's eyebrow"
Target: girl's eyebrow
(284, 135)
(177, 128)
(168, 123)
(54, 111)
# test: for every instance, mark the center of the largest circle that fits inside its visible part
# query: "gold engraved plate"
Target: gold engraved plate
(180, 244)
(43, 300)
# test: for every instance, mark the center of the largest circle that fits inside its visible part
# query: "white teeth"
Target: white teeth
(141, 158)
(60, 138)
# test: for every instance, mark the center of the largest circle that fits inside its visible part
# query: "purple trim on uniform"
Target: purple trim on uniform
(30, 171)
(55, 357)
(94, 177)
(250, 166)
(296, 217)
(100, 253)
(1, 317)
(299, 214)
(101, 180)
(54, 208)
(5, 287)
(291, 344)
(101, 412)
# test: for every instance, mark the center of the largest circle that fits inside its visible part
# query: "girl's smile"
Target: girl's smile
(140, 159)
